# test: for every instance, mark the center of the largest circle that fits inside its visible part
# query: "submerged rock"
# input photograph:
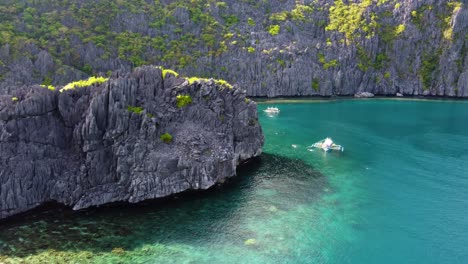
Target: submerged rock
(250, 242)
(273, 209)
(109, 142)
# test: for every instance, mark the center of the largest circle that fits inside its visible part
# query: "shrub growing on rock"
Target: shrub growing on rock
(167, 71)
(50, 87)
(183, 100)
(135, 109)
(274, 30)
(166, 138)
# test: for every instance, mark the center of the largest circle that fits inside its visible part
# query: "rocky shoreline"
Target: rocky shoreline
(140, 135)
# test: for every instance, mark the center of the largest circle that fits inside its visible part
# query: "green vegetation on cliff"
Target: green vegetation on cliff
(327, 64)
(84, 83)
(166, 138)
(453, 7)
(254, 43)
(165, 72)
(428, 67)
(348, 18)
(50, 87)
(135, 109)
(154, 31)
(50, 24)
(183, 100)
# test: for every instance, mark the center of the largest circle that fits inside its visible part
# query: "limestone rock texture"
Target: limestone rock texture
(364, 95)
(101, 144)
(272, 48)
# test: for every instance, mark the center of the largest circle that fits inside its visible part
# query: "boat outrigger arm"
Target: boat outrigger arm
(327, 145)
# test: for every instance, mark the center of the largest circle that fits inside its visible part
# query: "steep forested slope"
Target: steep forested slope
(270, 47)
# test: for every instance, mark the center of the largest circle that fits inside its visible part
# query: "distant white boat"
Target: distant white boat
(327, 145)
(272, 110)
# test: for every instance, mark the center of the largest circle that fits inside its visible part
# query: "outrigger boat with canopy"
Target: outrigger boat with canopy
(327, 145)
(272, 110)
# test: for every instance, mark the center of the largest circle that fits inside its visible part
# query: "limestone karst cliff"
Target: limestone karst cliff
(273, 48)
(139, 135)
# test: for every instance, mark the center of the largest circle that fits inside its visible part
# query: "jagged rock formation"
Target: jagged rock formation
(273, 48)
(101, 144)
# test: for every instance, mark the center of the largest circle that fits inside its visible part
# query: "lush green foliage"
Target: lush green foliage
(230, 20)
(274, 30)
(193, 79)
(183, 100)
(428, 67)
(366, 61)
(84, 83)
(223, 83)
(42, 23)
(400, 29)
(135, 109)
(166, 138)
(389, 33)
(417, 16)
(327, 64)
(281, 62)
(279, 17)
(453, 7)
(299, 13)
(168, 71)
(348, 18)
(315, 85)
(356, 20)
(219, 82)
(60, 27)
(165, 72)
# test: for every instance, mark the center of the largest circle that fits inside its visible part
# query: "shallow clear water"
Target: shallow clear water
(397, 194)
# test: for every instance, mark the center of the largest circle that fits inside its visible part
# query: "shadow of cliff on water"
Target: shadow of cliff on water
(263, 185)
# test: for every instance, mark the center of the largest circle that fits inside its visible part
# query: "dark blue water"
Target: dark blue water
(397, 194)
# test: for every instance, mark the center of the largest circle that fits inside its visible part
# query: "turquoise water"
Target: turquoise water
(397, 194)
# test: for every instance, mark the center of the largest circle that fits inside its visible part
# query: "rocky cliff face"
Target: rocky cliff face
(274, 48)
(100, 144)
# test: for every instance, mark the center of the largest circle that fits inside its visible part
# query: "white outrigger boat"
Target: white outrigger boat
(272, 110)
(327, 145)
